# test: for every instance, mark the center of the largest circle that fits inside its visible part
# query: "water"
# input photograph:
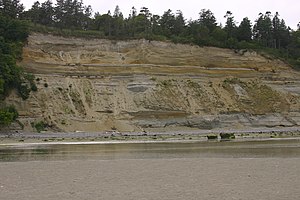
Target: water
(229, 149)
(228, 170)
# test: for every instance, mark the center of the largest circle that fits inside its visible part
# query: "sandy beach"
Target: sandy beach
(247, 170)
(118, 168)
(204, 178)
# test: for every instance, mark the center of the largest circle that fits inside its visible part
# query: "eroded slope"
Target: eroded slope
(136, 85)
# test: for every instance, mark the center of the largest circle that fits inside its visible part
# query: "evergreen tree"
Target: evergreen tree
(41, 13)
(208, 20)
(244, 32)
(145, 16)
(103, 23)
(47, 13)
(11, 8)
(117, 22)
(220, 36)
(156, 28)
(179, 24)
(129, 23)
(33, 13)
(167, 23)
(281, 33)
(72, 14)
(230, 26)
(199, 33)
(263, 30)
(60, 13)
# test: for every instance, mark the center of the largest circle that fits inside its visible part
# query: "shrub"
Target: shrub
(227, 136)
(40, 126)
(24, 91)
(212, 137)
(8, 115)
(33, 87)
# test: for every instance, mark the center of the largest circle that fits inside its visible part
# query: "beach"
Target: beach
(266, 169)
(205, 178)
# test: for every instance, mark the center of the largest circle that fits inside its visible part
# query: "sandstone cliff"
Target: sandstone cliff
(138, 85)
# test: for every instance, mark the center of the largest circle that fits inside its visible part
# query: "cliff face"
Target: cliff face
(103, 85)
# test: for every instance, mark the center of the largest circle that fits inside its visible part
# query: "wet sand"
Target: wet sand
(192, 178)
(247, 170)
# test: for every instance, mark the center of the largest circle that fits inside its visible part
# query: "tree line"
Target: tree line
(268, 30)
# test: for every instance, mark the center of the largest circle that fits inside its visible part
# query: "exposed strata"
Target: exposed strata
(138, 85)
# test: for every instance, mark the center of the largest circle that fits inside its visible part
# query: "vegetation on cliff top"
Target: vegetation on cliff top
(268, 33)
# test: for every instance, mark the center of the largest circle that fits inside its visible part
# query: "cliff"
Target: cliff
(138, 85)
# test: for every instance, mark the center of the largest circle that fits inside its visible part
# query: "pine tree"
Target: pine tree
(244, 32)
(11, 8)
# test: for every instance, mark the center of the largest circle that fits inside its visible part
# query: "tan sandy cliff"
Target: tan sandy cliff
(139, 85)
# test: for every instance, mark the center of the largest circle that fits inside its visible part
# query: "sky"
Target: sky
(288, 9)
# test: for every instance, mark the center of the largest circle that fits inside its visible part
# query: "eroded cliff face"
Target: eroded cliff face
(139, 85)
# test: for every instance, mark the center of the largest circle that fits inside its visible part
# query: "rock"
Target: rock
(137, 88)
(227, 136)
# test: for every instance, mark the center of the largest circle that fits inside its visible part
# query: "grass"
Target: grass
(66, 32)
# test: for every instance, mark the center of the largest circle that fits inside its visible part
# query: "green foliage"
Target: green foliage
(244, 32)
(208, 20)
(66, 32)
(212, 137)
(30, 78)
(8, 115)
(13, 35)
(33, 87)
(167, 23)
(227, 136)
(24, 91)
(219, 35)
(41, 13)
(2, 83)
(230, 26)
(231, 81)
(40, 126)
(72, 18)
(11, 8)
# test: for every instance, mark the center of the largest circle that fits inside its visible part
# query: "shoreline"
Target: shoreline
(114, 137)
(32, 144)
